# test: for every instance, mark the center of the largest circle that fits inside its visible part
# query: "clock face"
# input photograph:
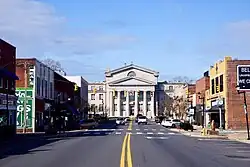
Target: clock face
(131, 74)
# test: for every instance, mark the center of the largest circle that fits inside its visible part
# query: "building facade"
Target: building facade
(7, 89)
(35, 92)
(83, 90)
(130, 90)
(167, 92)
(223, 82)
(97, 98)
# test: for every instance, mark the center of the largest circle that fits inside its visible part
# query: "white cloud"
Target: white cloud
(36, 29)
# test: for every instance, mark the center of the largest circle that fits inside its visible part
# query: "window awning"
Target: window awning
(6, 73)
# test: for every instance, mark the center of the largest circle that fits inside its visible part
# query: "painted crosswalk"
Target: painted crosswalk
(127, 132)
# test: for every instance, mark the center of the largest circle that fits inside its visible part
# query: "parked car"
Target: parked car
(138, 115)
(166, 123)
(175, 123)
(120, 121)
(89, 123)
(142, 120)
(186, 126)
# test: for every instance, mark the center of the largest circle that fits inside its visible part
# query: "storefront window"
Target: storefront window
(3, 118)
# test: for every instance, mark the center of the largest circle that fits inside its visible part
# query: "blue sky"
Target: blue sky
(174, 37)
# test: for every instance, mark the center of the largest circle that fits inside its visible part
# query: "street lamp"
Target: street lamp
(245, 109)
(203, 109)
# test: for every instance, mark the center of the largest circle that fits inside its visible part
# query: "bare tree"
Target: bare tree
(180, 106)
(54, 65)
(183, 79)
(168, 105)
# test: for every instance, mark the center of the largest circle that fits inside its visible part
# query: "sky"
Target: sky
(173, 37)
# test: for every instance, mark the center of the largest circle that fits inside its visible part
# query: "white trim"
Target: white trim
(237, 76)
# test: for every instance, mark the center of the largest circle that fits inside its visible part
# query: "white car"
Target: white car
(170, 123)
(120, 121)
(142, 120)
(166, 123)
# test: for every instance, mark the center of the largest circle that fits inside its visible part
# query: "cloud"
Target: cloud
(35, 29)
(232, 39)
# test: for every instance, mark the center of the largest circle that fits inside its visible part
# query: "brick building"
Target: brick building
(202, 85)
(36, 88)
(190, 101)
(68, 100)
(7, 89)
(223, 84)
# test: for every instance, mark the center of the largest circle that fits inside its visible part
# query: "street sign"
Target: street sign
(243, 77)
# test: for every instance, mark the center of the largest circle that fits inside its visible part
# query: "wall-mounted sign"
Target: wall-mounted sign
(243, 77)
(31, 76)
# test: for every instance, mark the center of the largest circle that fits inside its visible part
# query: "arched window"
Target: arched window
(131, 74)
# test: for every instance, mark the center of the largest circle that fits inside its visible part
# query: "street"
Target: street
(126, 146)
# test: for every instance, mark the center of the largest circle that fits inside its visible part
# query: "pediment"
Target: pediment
(131, 67)
(131, 81)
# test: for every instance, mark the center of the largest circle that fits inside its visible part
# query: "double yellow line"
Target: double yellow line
(126, 158)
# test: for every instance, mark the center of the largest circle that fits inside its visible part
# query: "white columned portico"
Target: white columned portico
(145, 103)
(111, 104)
(127, 104)
(118, 112)
(136, 103)
(152, 105)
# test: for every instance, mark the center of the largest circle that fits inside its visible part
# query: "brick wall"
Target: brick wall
(63, 85)
(234, 104)
(201, 86)
(7, 61)
(20, 70)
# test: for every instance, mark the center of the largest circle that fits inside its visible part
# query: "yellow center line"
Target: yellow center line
(129, 157)
(122, 161)
(130, 125)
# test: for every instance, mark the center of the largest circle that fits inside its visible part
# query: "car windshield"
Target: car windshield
(142, 117)
(168, 120)
(176, 120)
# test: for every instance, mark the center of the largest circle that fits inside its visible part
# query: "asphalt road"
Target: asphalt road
(127, 146)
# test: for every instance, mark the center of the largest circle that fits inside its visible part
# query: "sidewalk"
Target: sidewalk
(239, 136)
(197, 133)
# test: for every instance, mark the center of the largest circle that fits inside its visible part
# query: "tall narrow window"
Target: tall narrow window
(217, 84)
(221, 83)
(213, 86)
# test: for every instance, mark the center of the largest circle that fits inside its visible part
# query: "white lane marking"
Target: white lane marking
(129, 133)
(162, 129)
(170, 133)
(108, 133)
(153, 129)
(137, 129)
(162, 138)
(120, 129)
(139, 133)
(146, 129)
(87, 133)
(222, 140)
(118, 133)
(243, 151)
(97, 133)
(160, 133)
(149, 133)
(112, 129)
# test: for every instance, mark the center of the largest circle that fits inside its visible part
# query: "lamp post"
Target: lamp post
(245, 109)
(203, 109)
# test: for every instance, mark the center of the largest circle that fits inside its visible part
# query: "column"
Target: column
(145, 103)
(127, 105)
(152, 105)
(136, 103)
(111, 104)
(118, 104)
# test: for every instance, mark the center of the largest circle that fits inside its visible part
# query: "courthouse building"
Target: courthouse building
(130, 90)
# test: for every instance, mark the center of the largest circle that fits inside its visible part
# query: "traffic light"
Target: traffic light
(94, 90)
(187, 92)
(138, 93)
(114, 93)
(75, 87)
(151, 94)
(217, 89)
